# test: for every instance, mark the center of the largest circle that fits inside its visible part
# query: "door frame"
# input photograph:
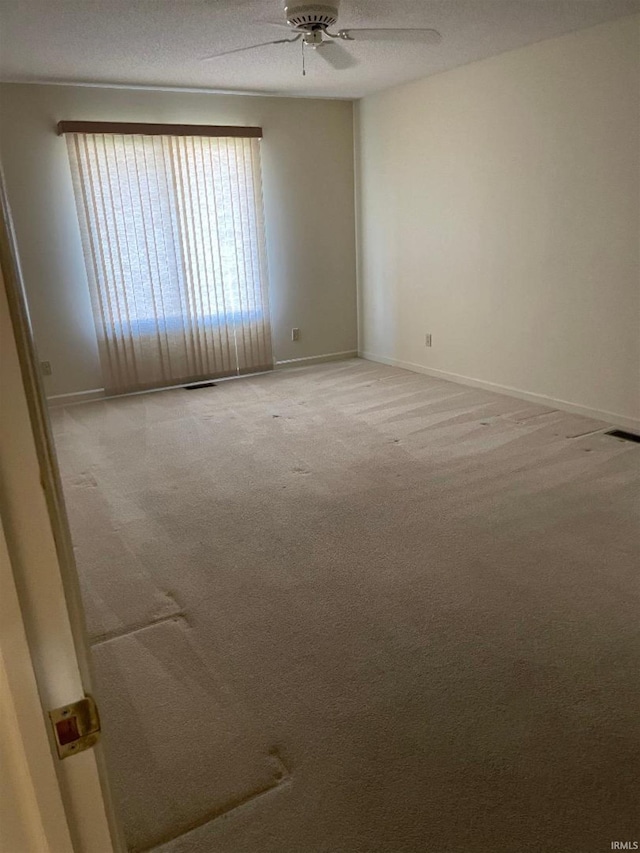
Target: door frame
(48, 607)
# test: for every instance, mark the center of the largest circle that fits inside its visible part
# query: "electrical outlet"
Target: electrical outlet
(295, 334)
(46, 368)
(427, 340)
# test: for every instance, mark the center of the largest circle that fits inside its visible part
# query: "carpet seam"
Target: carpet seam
(117, 635)
(210, 817)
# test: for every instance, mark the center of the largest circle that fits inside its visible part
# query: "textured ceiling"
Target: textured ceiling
(160, 42)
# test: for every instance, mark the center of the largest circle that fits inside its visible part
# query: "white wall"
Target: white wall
(498, 209)
(307, 157)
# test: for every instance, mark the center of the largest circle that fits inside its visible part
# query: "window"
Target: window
(173, 234)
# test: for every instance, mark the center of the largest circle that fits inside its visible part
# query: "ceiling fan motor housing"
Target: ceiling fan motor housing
(308, 17)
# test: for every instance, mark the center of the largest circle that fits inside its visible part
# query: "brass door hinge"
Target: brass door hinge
(76, 726)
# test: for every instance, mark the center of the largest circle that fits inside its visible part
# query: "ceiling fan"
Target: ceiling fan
(309, 23)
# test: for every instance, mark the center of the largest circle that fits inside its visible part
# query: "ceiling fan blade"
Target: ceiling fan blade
(425, 36)
(336, 56)
(251, 47)
(279, 25)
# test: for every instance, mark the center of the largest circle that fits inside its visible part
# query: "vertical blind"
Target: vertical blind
(173, 236)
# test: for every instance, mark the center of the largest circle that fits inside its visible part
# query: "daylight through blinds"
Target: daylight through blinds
(173, 236)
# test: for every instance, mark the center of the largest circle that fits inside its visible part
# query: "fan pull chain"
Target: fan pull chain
(304, 73)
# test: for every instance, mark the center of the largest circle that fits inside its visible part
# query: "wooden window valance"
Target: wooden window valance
(143, 129)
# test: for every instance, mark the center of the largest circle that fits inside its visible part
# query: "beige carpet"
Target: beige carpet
(349, 608)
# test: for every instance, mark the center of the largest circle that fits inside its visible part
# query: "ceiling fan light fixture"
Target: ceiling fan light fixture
(314, 39)
(311, 17)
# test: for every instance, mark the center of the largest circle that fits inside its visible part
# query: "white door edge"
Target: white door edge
(36, 535)
(32, 811)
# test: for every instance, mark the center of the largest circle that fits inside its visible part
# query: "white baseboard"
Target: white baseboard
(542, 399)
(76, 397)
(317, 359)
(99, 394)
